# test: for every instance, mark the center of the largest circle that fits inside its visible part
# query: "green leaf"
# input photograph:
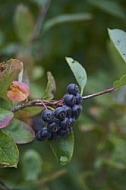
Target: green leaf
(63, 148)
(9, 71)
(78, 71)
(50, 88)
(5, 117)
(9, 154)
(24, 24)
(117, 60)
(118, 37)
(31, 165)
(110, 7)
(20, 132)
(66, 18)
(118, 83)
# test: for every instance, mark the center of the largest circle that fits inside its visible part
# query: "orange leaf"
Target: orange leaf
(19, 91)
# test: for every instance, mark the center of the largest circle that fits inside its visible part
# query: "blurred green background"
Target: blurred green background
(41, 34)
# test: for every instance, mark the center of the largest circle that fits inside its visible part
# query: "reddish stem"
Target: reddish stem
(53, 103)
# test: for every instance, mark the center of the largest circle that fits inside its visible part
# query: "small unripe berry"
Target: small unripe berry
(72, 89)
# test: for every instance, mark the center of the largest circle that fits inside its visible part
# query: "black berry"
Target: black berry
(37, 124)
(72, 89)
(65, 123)
(47, 115)
(38, 136)
(70, 99)
(78, 98)
(68, 110)
(60, 113)
(76, 111)
(63, 133)
(53, 127)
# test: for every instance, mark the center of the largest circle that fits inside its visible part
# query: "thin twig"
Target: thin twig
(110, 90)
(38, 102)
(53, 103)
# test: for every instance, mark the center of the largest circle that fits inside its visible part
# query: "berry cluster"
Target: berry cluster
(59, 122)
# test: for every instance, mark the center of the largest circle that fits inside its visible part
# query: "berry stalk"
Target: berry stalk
(54, 103)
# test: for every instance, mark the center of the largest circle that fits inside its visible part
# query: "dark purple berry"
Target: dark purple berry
(53, 127)
(71, 121)
(70, 99)
(37, 124)
(68, 110)
(47, 115)
(65, 123)
(78, 98)
(43, 134)
(76, 110)
(60, 113)
(63, 133)
(54, 135)
(38, 136)
(72, 89)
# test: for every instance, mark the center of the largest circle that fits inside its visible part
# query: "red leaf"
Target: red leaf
(5, 117)
(19, 91)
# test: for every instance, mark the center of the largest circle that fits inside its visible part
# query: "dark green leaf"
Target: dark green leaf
(9, 71)
(51, 87)
(110, 7)
(78, 71)
(67, 18)
(118, 83)
(31, 165)
(63, 148)
(24, 24)
(9, 154)
(5, 117)
(118, 37)
(20, 132)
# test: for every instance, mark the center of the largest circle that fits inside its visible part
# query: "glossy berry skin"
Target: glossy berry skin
(65, 123)
(53, 126)
(78, 98)
(63, 133)
(38, 136)
(76, 111)
(60, 113)
(68, 110)
(43, 134)
(47, 115)
(69, 99)
(72, 89)
(71, 121)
